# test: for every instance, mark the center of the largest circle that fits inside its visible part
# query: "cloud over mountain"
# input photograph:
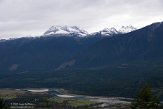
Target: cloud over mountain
(32, 17)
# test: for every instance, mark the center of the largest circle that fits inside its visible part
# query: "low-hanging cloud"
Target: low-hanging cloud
(33, 17)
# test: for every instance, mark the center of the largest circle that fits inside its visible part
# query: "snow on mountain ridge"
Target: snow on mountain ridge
(113, 31)
(66, 30)
(74, 30)
(109, 31)
(127, 29)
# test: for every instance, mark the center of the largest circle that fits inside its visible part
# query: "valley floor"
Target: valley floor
(59, 99)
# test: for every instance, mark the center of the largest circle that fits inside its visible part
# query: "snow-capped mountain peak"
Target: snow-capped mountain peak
(126, 29)
(109, 31)
(76, 31)
(113, 31)
(66, 30)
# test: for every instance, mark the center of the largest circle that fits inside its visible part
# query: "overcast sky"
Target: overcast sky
(34, 17)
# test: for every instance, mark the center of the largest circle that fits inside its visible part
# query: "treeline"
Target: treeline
(117, 80)
(145, 99)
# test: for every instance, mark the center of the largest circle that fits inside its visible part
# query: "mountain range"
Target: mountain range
(54, 47)
(77, 31)
(100, 63)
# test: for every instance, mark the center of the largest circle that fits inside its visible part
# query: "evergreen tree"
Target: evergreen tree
(146, 100)
(2, 103)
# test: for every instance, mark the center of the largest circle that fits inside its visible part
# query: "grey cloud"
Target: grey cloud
(22, 16)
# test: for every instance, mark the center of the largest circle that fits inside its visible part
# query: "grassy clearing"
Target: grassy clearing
(71, 101)
(80, 102)
(10, 93)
